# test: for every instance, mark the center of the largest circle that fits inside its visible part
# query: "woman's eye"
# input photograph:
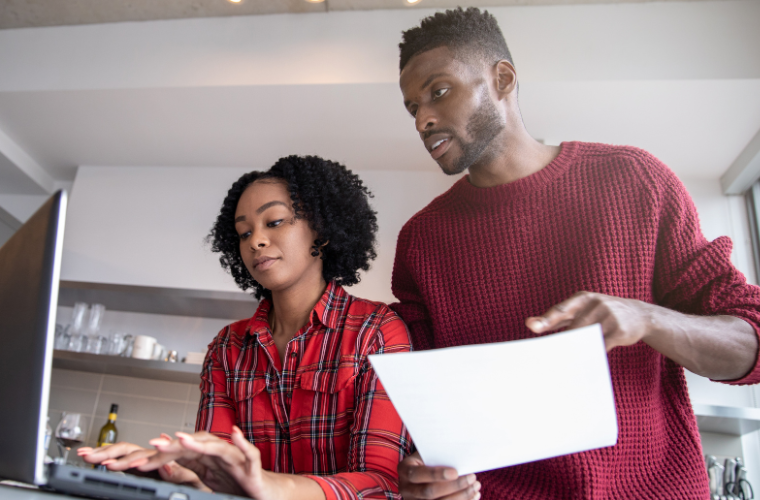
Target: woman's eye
(244, 235)
(439, 93)
(274, 223)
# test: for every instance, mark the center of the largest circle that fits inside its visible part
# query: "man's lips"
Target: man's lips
(439, 147)
(263, 263)
(436, 142)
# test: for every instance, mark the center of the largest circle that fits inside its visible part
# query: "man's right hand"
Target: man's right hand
(416, 480)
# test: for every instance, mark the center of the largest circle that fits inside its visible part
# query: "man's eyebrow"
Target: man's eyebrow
(431, 78)
(269, 205)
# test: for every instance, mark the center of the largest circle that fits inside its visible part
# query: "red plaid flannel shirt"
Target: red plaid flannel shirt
(325, 413)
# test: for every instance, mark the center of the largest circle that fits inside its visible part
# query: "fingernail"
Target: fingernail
(159, 442)
(182, 435)
(450, 474)
(84, 451)
(476, 486)
(167, 468)
(471, 479)
(477, 496)
(108, 461)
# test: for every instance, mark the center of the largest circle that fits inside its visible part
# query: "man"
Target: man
(539, 238)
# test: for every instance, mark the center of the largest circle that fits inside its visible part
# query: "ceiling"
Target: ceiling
(365, 125)
(680, 79)
(36, 13)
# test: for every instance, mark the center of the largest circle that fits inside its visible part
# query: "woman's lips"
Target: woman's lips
(264, 264)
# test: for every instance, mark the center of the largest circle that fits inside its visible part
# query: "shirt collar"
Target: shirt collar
(327, 311)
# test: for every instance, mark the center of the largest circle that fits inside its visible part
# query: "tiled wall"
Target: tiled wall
(146, 407)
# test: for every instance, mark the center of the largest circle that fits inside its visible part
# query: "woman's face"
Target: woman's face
(275, 246)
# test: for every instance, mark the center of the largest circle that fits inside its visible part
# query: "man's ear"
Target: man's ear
(506, 78)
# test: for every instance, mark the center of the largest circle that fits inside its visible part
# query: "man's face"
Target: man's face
(454, 112)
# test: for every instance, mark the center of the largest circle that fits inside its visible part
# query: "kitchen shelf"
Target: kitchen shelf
(157, 300)
(710, 418)
(127, 367)
(727, 419)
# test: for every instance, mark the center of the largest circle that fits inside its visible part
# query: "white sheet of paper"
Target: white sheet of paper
(482, 407)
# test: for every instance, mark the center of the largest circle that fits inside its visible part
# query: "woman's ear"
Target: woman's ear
(506, 78)
(317, 248)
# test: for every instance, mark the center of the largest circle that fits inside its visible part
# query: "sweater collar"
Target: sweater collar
(521, 187)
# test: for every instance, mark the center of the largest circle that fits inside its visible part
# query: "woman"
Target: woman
(294, 380)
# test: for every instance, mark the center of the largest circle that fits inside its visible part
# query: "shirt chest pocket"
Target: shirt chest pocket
(249, 395)
(322, 414)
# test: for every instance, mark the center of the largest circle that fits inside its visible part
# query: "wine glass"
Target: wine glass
(68, 434)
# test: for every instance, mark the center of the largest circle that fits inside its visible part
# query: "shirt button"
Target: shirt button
(293, 354)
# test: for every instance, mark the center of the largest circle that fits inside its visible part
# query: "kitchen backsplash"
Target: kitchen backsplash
(146, 407)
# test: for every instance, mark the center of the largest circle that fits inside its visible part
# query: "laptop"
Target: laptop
(30, 267)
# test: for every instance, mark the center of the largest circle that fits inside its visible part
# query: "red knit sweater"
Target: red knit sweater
(475, 263)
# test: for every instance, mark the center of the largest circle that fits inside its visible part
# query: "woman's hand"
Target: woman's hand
(123, 456)
(229, 468)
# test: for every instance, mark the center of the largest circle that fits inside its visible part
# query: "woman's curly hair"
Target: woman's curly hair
(333, 201)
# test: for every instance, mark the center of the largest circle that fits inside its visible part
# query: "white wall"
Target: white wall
(726, 215)
(146, 226)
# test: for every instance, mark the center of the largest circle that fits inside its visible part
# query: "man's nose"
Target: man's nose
(425, 119)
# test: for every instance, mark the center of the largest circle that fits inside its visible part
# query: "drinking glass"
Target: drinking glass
(119, 343)
(77, 317)
(73, 339)
(68, 434)
(95, 344)
(96, 318)
(61, 337)
(77, 342)
(94, 340)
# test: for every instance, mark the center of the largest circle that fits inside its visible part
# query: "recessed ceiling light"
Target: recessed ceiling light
(412, 1)
(234, 1)
(315, 1)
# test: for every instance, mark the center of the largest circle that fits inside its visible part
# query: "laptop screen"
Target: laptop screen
(30, 265)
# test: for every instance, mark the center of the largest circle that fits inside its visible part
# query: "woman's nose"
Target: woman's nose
(259, 240)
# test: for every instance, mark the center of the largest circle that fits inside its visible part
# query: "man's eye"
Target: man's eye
(274, 223)
(439, 93)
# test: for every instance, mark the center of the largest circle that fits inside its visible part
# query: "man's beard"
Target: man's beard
(484, 125)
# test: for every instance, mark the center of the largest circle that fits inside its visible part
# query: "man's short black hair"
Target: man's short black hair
(331, 198)
(460, 30)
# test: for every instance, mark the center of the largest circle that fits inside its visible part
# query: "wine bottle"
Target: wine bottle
(109, 433)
